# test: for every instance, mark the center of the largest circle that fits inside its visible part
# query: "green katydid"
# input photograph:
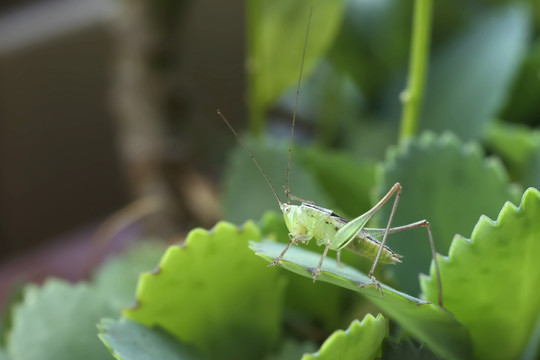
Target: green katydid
(308, 221)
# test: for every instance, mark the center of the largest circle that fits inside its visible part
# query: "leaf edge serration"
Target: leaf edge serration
(354, 327)
(447, 138)
(495, 292)
(460, 240)
(180, 260)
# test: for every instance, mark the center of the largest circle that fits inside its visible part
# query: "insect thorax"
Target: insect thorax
(318, 222)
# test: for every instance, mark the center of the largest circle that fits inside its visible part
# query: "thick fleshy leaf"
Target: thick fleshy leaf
(469, 80)
(334, 304)
(58, 321)
(214, 294)
(446, 182)
(362, 340)
(491, 281)
(128, 340)
(117, 278)
(277, 25)
(427, 322)
(331, 302)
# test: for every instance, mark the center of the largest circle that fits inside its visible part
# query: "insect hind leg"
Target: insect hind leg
(417, 224)
(377, 284)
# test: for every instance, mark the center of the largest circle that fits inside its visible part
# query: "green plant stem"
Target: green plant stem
(412, 96)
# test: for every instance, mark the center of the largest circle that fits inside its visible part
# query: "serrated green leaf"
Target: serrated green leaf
(246, 194)
(424, 320)
(362, 340)
(490, 282)
(117, 278)
(469, 80)
(58, 321)
(446, 182)
(274, 25)
(128, 340)
(213, 293)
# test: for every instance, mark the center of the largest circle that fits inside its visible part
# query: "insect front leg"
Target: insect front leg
(316, 275)
(298, 238)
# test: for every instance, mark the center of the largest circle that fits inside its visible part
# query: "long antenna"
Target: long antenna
(288, 189)
(251, 155)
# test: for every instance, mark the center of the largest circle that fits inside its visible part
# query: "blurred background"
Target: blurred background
(108, 124)
(103, 103)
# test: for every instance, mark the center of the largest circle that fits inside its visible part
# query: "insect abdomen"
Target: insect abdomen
(367, 246)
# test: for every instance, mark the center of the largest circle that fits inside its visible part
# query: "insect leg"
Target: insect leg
(338, 259)
(292, 197)
(422, 223)
(395, 189)
(299, 238)
(351, 229)
(316, 275)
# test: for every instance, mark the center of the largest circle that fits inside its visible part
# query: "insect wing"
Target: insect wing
(349, 231)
